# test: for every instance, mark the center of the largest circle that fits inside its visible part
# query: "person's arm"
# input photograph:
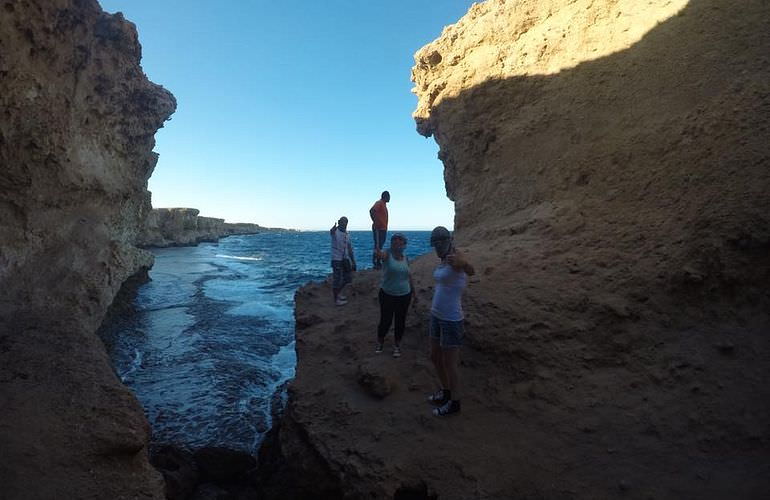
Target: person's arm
(350, 252)
(371, 213)
(333, 229)
(459, 263)
(412, 289)
(381, 254)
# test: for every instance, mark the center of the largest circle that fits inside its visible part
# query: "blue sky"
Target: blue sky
(293, 113)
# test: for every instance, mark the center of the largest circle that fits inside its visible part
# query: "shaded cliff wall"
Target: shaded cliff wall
(76, 139)
(612, 189)
(168, 227)
(640, 174)
(609, 164)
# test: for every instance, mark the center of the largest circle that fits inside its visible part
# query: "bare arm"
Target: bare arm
(350, 252)
(459, 263)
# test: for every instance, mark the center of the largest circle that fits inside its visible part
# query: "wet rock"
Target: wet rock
(222, 464)
(179, 471)
(725, 347)
(415, 490)
(209, 491)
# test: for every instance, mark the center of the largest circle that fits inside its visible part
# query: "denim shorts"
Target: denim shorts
(449, 333)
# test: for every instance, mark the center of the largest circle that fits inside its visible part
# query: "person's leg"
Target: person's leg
(386, 315)
(338, 282)
(376, 245)
(435, 351)
(401, 307)
(451, 340)
(438, 363)
(450, 359)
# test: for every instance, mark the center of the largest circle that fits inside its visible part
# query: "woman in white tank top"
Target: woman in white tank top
(446, 320)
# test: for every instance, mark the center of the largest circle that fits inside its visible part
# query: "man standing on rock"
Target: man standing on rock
(379, 215)
(343, 261)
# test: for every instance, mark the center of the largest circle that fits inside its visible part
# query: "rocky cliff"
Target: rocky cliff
(609, 162)
(167, 227)
(76, 139)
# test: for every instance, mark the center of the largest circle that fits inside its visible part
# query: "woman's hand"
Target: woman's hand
(458, 263)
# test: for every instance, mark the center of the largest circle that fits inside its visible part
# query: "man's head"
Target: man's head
(441, 240)
(343, 223)
(385, 196)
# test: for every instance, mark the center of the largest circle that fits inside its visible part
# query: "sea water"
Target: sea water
(212, 338)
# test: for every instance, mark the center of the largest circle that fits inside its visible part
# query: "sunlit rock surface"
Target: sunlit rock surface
(610, 164)
(166, 227)
(77, 120)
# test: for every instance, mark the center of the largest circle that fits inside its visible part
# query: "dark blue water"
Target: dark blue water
(213, 336)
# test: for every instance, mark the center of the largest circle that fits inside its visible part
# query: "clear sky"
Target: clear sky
(293, 113)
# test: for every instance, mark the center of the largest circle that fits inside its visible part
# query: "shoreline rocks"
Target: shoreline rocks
(170, 227)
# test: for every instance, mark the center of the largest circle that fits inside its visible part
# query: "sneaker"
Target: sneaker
(396, 352)
(439, 397)
(378, 349)
(342, 297)
(340, 302)
(449, 408)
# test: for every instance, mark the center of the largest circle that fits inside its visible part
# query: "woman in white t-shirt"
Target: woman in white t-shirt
(343, 260)
(446, 320)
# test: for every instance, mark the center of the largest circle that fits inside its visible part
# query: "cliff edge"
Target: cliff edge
(170, 227)
(609, 164)
(76, 139)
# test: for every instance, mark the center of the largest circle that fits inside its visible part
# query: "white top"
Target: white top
(447, 297)
(340, 241)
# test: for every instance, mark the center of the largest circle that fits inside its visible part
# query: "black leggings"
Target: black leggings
(391, 305)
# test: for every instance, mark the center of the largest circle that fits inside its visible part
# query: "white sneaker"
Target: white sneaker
(340, 302)
(342, 297)
(396, 352)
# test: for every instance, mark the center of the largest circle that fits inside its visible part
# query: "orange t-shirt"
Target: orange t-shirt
(380, 215)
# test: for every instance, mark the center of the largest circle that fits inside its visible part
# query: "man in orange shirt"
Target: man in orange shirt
(379, 215)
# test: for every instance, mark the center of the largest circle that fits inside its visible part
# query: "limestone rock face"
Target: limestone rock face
(172, 227)
(609, 162)
(77, 120)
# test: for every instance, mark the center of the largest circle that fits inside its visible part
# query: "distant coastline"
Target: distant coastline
(174, 227)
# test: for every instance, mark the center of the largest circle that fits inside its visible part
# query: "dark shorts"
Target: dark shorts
(448, 333)
(340, 277)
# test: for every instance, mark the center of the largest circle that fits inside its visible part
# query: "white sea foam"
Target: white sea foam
(238, 257)
(136, 362)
